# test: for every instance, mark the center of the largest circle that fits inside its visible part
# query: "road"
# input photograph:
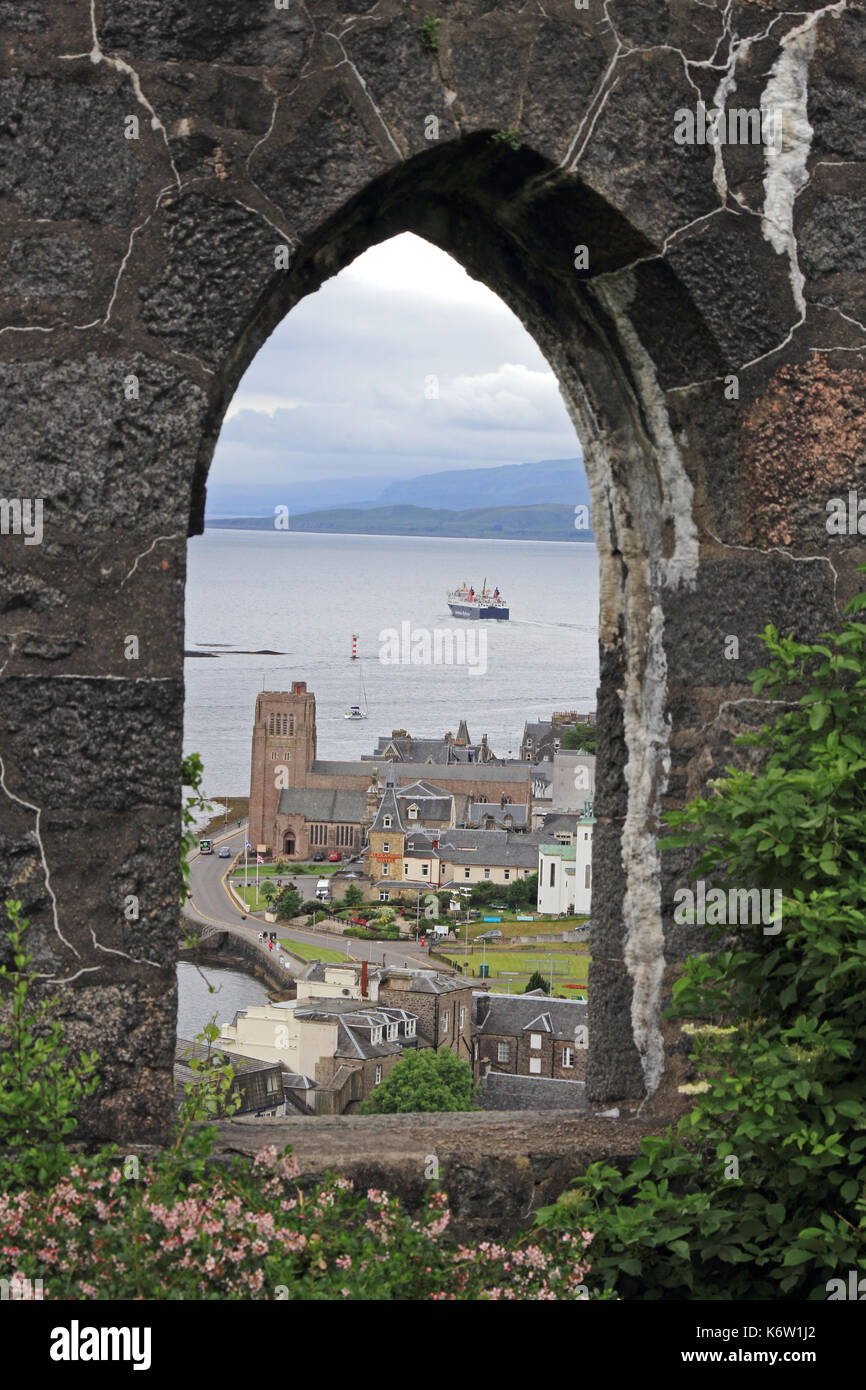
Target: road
(210, 903)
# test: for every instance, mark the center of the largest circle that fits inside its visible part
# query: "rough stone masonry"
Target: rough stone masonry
(175, 177)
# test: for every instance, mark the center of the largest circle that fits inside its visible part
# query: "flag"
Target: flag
(259, 859)
(247, 843)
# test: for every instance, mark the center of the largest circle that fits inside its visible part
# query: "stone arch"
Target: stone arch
(695, 331)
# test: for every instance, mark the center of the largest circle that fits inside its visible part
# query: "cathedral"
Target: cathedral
(301, 804)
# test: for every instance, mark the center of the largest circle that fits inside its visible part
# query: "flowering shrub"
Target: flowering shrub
(257, 1234)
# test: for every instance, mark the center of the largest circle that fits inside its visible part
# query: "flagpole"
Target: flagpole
(246, 865)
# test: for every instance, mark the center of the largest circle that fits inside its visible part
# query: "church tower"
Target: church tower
(284, 746)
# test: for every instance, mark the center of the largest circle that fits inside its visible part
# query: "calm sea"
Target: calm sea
(303, 596)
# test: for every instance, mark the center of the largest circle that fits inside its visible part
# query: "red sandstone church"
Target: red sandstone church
(300, 804)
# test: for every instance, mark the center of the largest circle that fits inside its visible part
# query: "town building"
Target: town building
(543, 738)
(529, 1035)
(401, 747)
(257, 1083)
(285, 819)
(565, 869)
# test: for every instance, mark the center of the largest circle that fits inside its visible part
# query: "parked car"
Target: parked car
(319, 858)
(334, 857)
(225, 852)
(490, 936)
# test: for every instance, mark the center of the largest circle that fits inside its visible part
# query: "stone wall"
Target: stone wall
(175, 178)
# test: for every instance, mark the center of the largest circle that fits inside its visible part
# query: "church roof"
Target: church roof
(322, 804)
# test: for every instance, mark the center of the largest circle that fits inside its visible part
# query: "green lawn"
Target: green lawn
(293, 871)
(570, 966)
(310, 952)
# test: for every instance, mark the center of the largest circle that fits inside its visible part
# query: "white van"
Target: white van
(323, 890)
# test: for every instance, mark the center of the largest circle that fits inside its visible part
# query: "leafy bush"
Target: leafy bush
(288, 903)
(429, 31)
(423, 1080)
(39, 1086)
(761, 1191)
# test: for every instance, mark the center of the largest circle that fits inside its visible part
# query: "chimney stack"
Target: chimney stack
(363, 979)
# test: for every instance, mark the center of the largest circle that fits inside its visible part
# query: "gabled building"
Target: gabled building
(532, 1035)
(401, 747)
(257, 1083)
(565, 869)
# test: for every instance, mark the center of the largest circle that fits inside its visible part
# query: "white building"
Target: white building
(565, 872)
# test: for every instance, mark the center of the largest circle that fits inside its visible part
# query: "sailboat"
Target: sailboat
(358, 711)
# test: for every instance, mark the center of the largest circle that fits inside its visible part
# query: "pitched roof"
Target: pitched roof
(514, 771)
(322, 804)
(388, 807)
(506, 1091)
(508, 1015)
(480, 810)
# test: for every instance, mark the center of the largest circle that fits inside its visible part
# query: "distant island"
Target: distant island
(515, 502)
(547, 521)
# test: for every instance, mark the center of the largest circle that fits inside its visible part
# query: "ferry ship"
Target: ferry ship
(465, 602)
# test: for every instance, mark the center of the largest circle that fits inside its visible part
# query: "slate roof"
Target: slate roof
(388, 806)
(321, 804)
(427, 981)
(185, 1052)
(505, 1091)
(514, 771)
(509, 1015)
(478, 811)
(492, 847)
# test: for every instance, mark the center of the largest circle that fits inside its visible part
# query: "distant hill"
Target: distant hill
(549, 521)
(512, 485)
(456, 489)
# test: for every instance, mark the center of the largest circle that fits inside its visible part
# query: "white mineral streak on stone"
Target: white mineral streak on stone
(786, 95)
(644, 694)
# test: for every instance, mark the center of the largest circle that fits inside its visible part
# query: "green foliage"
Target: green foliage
(191, 775)
(523, 892)
(289, 903)
(485, 892)
(353, 897)
(537, 981)
(429, 31)
(423, 1080)
(507, 137)
(581, 737)
(310, 907)
(761, 1191)
(39, 1086)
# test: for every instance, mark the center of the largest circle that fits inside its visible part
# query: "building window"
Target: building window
(392, 1031)
(410, 1027)
(553, 873)
(386, 821)
(507, 875)
(535, 1041)
(405, 870)
(535, 1066)
(486, 873)
(475, 1050)
(445, 1022)
(377, 1035)
(462, 1019)
(386, 847)
(425, 869)
(274, 1083)
(384, 896)
(502, 1052)
(271, 725)
(568, 1056)
(587, 876)
(378, 1074)
(291, 725)
(466, 873)
(386, 870)
(413, 812)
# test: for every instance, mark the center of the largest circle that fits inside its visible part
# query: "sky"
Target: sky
(346, 386)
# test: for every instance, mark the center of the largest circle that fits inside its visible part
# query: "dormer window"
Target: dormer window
(377, 1035)
(386, 821)
(410, 1027)
(392, 1031)
(413, 812)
